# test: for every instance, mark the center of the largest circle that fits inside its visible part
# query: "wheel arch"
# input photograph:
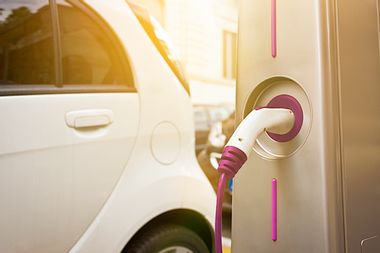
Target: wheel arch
(184, 217)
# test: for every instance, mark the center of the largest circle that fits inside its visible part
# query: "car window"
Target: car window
(88, 54)
(201, 119)
(162, 42)
(219, 113)
(26, 43)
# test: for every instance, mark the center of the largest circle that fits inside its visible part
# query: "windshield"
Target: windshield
(161, 40)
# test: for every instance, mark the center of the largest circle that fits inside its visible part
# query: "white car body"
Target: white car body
(65, 188)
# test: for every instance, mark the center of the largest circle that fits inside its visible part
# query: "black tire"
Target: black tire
(165, 239)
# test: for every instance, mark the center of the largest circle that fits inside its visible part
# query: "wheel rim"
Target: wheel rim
(176, 249)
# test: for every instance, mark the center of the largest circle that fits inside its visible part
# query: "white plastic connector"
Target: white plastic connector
(275, 120)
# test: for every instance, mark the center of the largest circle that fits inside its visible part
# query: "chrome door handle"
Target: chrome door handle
(89, 118)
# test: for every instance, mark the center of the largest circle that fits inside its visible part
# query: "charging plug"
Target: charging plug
(274, 120)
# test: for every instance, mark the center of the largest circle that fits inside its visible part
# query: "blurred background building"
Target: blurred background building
(204, 34)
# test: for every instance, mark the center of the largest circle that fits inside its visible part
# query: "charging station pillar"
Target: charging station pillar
(324, 53)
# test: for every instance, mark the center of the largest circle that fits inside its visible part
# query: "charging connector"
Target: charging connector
(275, 120)
(239, 147)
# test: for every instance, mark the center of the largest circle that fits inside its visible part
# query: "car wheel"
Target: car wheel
(167, 239)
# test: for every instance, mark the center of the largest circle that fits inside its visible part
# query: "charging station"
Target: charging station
(318, 191)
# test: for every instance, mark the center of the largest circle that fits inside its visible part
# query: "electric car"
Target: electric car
(97, 136)
(205, 117)
(209, 157)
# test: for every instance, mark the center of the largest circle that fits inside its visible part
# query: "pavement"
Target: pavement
(226, 245)
(226, 240)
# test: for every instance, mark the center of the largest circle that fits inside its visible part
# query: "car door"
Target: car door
(69, 119)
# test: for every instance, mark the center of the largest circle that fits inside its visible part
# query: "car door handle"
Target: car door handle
(89, 118)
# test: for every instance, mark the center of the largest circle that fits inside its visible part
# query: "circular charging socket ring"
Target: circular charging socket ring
(291, 103)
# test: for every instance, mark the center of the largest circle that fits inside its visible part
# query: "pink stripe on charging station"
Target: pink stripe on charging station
(274, 29)
(274, 209)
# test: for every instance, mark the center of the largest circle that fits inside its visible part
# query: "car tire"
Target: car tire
(167, 239)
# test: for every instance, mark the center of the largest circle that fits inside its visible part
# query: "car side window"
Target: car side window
(26, 43)
(88, 54)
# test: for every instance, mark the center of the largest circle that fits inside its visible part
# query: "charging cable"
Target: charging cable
(239, 147)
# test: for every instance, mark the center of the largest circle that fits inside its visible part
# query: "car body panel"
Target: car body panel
(91, 189)
(166, 187)
(50, 170)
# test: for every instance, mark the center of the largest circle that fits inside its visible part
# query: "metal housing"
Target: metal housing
(328, 190)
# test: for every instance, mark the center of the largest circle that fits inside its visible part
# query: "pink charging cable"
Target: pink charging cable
(232, 160)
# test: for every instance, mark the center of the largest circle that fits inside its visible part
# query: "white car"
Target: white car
(96, 134)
